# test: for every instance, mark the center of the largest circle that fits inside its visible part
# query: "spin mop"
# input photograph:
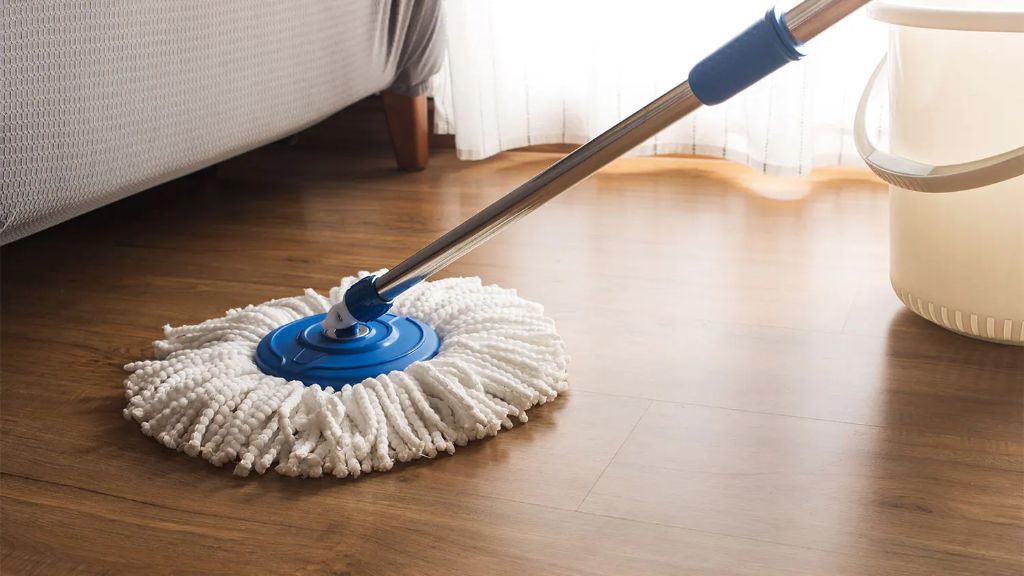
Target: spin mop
(391, 367)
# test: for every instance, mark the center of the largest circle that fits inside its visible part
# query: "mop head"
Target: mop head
(205, 396)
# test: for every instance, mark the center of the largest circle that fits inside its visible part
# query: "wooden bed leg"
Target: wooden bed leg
(407, 124)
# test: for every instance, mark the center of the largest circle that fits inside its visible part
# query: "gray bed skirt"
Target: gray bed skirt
(102, 99)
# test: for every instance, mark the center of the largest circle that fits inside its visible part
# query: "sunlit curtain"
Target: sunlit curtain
(531, 72)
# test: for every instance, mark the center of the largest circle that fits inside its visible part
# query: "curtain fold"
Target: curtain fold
(549, 71)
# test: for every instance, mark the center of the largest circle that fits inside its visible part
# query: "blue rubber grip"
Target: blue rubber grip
(363, 301)
(760, 50)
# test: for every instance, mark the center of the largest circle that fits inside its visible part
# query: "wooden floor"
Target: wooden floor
(748, 396)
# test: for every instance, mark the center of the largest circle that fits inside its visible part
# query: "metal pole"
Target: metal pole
(554, 180)
(812, 17)
(805, 21)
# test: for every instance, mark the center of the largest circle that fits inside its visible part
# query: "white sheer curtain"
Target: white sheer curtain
(543, 71)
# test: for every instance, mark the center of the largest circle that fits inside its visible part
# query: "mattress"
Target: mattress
(105, 98)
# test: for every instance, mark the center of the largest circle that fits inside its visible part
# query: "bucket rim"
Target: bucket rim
(990, 16)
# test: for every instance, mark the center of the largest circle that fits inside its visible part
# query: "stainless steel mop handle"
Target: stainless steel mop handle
(812, 17)
(804, 21)
(554, 180)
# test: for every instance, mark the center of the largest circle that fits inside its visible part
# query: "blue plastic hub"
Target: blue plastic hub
(301, 351)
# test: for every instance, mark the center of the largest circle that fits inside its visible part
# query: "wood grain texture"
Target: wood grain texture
(748, 396)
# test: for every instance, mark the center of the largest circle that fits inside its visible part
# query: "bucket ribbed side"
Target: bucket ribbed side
(972, 324)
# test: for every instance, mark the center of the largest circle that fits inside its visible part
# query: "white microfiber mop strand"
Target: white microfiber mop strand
(204, 395)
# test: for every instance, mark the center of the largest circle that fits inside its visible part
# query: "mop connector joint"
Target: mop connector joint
(361, 303)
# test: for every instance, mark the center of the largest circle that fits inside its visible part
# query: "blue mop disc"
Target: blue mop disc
(301, 351)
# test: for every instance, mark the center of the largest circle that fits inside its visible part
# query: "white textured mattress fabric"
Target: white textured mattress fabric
(105, 98)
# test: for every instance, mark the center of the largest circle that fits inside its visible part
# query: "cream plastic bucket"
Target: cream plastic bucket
(956, 161)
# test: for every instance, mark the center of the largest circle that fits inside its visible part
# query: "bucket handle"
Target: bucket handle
(913, 175)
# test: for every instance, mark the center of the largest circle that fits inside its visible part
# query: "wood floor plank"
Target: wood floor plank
(827, 485)
(919, 377)
(317, 529)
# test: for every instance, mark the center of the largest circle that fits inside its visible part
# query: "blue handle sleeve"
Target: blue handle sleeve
(760, 50)
(363, 301)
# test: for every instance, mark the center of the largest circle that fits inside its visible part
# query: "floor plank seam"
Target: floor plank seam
(612, 459)
(749, 411)
(786, 544)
